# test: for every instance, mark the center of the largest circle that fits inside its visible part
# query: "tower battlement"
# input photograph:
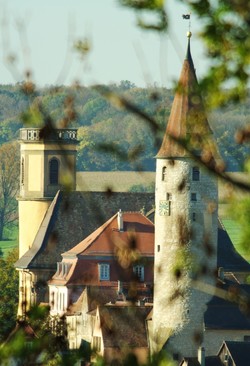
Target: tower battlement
(65, 135)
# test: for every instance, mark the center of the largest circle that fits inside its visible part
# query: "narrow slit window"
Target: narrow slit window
(194, 216)
(22, 171)
(169, 196)
(164, 174)
(53, 171)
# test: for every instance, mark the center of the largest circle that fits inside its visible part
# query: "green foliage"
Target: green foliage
(9, 178)
(142, 188)
(101, 123)
(150, 7)
(8, 294)
(240, 212)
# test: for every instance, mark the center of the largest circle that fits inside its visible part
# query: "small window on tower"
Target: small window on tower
(195, 174)
(164, 174)
(169, 196)
(193, 197)
(194, 216)
(53, 171)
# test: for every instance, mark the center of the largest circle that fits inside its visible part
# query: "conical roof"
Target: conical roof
(188, 122)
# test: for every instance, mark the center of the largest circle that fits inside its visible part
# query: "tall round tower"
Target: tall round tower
(186, 226)
(48, 164)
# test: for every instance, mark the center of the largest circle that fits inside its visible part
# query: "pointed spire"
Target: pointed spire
(188, 53)
(187, 121)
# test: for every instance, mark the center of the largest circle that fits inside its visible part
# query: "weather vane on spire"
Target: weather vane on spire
(188, 17)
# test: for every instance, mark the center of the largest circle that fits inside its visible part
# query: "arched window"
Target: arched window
(164, 173)
(53, 171)
(195, 174)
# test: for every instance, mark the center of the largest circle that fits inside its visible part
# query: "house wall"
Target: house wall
(33, 289)
(76, 329)
(59, 299)
(90, 271)
(31, 214)
(214, 338)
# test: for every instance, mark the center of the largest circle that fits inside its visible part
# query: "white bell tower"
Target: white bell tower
(48, 164)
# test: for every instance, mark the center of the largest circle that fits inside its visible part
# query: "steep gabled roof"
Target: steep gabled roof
(136, 241)
(239, 351)
(231, 313)
(188, 121)
(73, 216)
(137, 234)
(227, 257)
(124, 326)
(193, 361)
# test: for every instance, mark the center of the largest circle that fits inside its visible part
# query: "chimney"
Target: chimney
(120, 220)
(201, 356)
(119, 285)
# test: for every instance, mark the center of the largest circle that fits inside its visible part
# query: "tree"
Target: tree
(8, 294)
(9, 184)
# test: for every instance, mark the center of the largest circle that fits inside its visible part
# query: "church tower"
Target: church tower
(47, 164)
(186, 221)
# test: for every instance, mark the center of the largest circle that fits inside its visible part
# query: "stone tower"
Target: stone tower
(48, 163)
(186, 226)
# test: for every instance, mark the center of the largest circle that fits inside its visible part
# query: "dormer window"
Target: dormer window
(195, 174)
(104, 272)
(53, 171)
(139, 272)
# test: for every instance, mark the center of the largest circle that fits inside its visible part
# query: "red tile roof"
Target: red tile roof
(109, 245)
(138, 235)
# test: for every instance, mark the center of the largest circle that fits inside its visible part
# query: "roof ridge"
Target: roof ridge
(88, 240)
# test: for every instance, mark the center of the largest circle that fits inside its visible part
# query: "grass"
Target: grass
(116, 181)
(234, 231)
(11, 240)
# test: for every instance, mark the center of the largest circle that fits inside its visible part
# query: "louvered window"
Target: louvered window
(53, 171)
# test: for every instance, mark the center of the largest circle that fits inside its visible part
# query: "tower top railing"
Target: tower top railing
(56, 135)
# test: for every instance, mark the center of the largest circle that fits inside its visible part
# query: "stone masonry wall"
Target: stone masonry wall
(185, 250)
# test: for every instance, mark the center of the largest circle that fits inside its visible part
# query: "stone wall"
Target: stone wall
(185, 250)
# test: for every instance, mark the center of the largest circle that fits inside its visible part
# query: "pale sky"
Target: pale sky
(39, 35)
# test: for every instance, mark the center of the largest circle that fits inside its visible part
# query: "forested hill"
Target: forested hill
(128, 139)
